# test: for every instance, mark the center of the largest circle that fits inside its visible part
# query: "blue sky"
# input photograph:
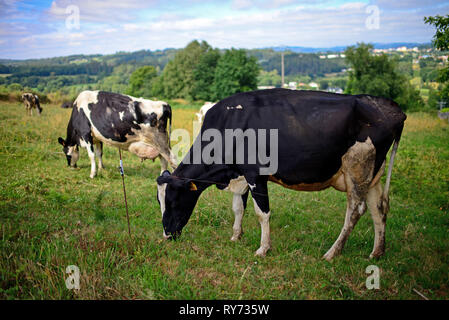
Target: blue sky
(37, 29)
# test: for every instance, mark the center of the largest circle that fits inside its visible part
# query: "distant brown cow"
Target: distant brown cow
(31, 101)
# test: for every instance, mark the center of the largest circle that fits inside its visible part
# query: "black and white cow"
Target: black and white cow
(31, 101)
(203, 110)
(134, 124)
(324, 140)
(67, 105)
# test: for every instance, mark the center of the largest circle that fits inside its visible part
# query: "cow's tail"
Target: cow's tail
(169, 127)
(385, 195)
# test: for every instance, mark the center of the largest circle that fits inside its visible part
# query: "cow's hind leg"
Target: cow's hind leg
(238, 206)
(98, 149)
(259, 192)
(355, 208)
(379, 214)
(357, 167)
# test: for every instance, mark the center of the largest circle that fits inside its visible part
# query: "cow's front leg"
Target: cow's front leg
(172, 160)
(164, 163)
(238, 206)
(259, 192)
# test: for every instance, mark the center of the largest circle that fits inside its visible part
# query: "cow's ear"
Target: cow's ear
(61, 141)
(185, 184)
(164, 178)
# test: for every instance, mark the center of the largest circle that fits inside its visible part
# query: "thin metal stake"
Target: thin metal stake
(124, 190)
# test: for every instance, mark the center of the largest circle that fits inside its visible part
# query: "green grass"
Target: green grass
(52, 217)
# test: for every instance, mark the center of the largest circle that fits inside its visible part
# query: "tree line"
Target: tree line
(198, 72)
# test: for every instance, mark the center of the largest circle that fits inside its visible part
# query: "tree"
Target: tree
(4, 69)
(141, 82)
(378, 75)
(178, 74)
(235, 72)
(269, 78)
(203, 75)
(15, 87)
(441, 42)
(324, 84)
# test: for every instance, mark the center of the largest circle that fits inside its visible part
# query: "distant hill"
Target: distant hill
(392, 45)
(112, 71)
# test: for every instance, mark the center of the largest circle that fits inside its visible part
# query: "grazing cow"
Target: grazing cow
(203, 110)
(66, 105)
(323, 140)
(134, 124)
(31, 101)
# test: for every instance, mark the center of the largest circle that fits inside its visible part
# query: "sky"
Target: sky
(39, 29)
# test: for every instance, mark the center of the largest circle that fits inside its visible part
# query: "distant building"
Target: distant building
(265, 87)
(292, 85)
(335, 90)
(313, 85)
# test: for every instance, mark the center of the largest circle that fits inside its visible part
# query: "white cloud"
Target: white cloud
(100, 11)
(107, 27)
(241, 4)
(353, 5)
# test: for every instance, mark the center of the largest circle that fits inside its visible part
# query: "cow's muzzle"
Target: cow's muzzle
(172, 236)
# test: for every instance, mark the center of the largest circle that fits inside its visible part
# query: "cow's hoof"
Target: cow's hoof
(236, 237)
(376, 255)
(92, 176)
(328, 256)
(261, 252)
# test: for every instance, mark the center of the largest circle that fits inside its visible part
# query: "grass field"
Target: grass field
(52, 217)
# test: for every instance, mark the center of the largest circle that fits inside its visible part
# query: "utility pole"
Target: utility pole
(282, 68)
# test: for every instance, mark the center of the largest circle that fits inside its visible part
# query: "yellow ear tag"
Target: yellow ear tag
(192, 186)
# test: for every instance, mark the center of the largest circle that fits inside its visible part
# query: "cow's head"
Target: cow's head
(71, 152)
(177, 198)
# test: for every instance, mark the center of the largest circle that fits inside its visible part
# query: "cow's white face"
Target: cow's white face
(71, 153)
(74, 155)
(161, 198)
